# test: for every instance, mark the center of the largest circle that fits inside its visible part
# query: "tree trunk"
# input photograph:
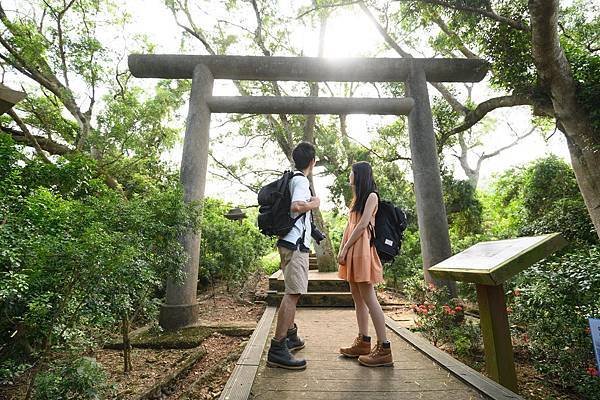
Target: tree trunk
(555, 74)
(325, 256)
(125, 326)
(586, 165)
(326, 259)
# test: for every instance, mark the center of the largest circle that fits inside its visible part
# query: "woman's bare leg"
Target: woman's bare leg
(367, 292)
(362, 312)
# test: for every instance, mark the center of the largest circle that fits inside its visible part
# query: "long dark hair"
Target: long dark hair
(364, 185)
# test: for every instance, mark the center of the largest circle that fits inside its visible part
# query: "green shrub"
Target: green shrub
(407, 264)
(539, 198)
(464, 210)
(229, 250)
(553, 301)
(270, 263)
(76, 255)
(336, 223)
(81, 379)
(442, 319)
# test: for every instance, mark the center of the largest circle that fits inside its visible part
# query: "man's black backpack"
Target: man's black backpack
(387, 235)
(274, 202)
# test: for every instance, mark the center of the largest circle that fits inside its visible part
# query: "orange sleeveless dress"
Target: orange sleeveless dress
(362, 261)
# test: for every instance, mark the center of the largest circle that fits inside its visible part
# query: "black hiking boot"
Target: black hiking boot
(279, 356)
(294, 342)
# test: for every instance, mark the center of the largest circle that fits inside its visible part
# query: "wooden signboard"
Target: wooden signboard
(489, 265)
(493, 263)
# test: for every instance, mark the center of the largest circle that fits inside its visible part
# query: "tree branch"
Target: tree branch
(476, 115)
(324, 6)
(29, 136)
(489, 13)
(453, 101)
(44, 143)
(452, 35)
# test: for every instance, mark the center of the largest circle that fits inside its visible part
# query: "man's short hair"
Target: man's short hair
(303, 154)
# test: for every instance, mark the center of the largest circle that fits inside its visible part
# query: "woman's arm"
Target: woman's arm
(363, 223)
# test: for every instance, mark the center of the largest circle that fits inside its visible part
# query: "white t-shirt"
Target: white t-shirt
(300, 191)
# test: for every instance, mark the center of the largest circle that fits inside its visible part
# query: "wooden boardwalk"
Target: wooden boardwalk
(420, 371)
(330, 376)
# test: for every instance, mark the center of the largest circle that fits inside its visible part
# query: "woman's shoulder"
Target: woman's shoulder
(373, 196)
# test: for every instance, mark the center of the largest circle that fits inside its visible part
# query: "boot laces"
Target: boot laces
(377, 350)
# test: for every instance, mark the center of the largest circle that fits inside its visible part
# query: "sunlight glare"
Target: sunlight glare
(350, 34)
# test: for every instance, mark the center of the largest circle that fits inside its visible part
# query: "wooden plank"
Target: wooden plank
(256, 344)
(315, 355)
(553, 243)
(240, 382)
(346, 365)
(314, 395)
(239, 385)
(499, 358)
(494, 262)
(366, 385)
(360, 374)
(476, 380)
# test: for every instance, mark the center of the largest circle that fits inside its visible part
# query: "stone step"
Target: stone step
(314, 285)
(315, 299)
(317, 282)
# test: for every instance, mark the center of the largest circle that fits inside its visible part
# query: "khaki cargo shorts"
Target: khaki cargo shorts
(294, 265)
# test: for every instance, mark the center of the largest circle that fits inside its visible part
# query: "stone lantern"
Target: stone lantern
(236, 214)
(8, 98)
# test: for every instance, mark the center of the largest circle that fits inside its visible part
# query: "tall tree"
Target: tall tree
(551, 65)
(79, 98)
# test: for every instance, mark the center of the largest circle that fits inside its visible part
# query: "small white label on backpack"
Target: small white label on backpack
(389, 242)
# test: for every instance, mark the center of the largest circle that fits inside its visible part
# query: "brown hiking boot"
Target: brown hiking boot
(380, 356)
(361, 346)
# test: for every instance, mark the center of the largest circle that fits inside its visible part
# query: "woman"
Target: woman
(361, 267)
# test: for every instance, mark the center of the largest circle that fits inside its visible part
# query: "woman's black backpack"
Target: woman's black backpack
(274, 202)
(387, 235)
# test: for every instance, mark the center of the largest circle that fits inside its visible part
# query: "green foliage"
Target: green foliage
(407, 263)
(229, 250)
(463, 207)
(540, 198)
(270, 263)
(81, 378)
(442, 320)
(553, 301)
(76, 255)
(336, 223)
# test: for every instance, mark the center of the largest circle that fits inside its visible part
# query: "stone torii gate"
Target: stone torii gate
(180, 308)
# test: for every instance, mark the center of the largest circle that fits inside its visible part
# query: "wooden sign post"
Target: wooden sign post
(489, 265)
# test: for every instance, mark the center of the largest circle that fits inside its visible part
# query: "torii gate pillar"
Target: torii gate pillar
(181, 307)
(431, 213)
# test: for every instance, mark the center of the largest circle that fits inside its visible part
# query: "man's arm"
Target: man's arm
(304, 206)
(300, 191)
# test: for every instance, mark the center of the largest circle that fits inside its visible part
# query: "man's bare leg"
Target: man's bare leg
(286, 315)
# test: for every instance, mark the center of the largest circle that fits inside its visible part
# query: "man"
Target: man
(293, 251)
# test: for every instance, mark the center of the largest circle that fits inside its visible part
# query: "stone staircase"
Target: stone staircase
(312, 262)
(325, 289)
